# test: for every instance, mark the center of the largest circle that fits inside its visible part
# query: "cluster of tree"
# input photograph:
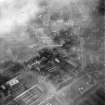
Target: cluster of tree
(65, 37)
(101, 7)
(4, 89)
(3, 79)
(11, 68)
(51, 63)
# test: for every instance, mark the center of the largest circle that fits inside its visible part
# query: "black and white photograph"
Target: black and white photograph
(52, 52)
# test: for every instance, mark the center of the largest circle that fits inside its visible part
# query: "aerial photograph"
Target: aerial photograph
(52, 52)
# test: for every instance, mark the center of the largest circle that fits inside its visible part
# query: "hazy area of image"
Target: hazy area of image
(23, 23)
